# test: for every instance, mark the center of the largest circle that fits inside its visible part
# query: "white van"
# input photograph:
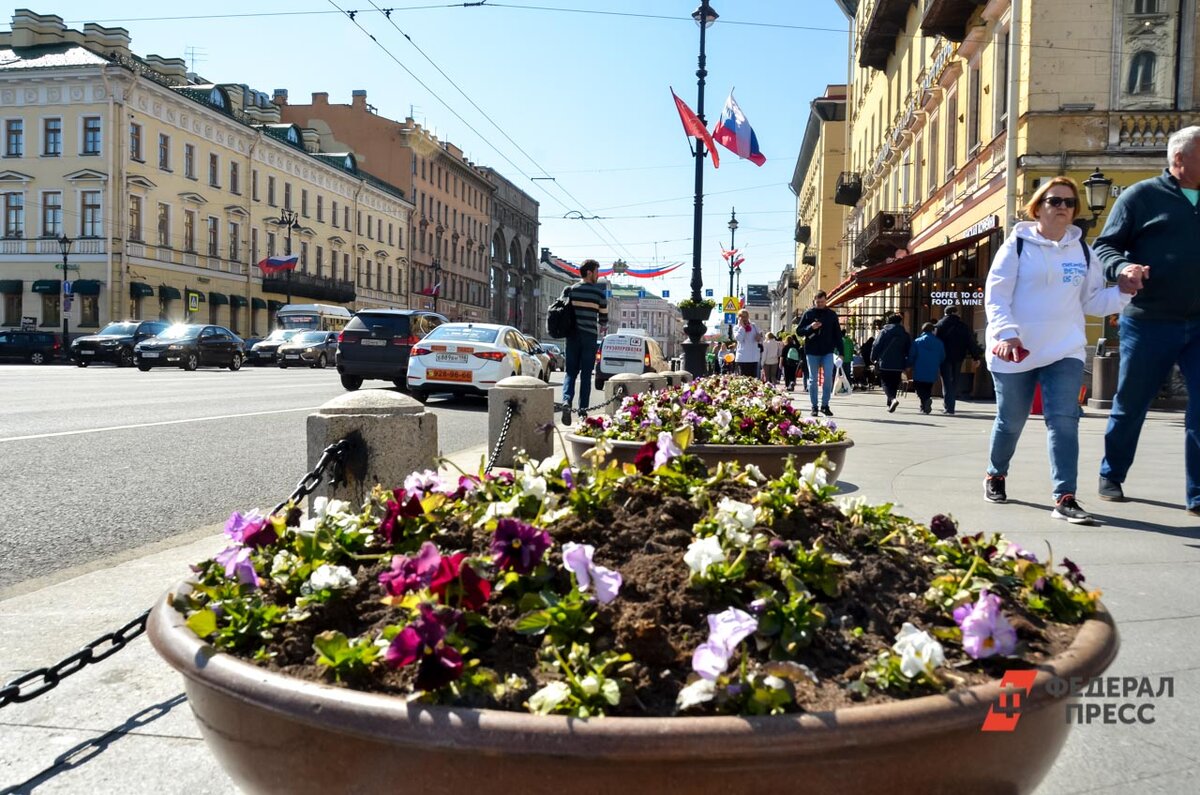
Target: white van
(629, 350)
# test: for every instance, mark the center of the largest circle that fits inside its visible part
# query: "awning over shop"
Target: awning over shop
(218, 298)
(238, 300)
(47, 286)
(258, 303)
(169, 293)
(11, 286)
(86, 287)
(140, 290)
(879, 277)
(274, 306)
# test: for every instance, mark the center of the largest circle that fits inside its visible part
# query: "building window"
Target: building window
(973, 105)
(932, 152)
(12, 309)
(345, 267)
(89, 311)
(91, 135)
(14, 138)
(1145, 6)
(91, 219)
(135, 218)
(164, 225)
(918, 172)
(320, 209)
(253, 244)
(50, 309)
(254, 184)
(271, 191)
(304, 202)
(320, 258)
(135, 142)
(189, 231)
(287, 195)
(951, 135)
(14, 215)
(333, 216)
(214, 170)
(52, 137)
(234, 241)
(164, 152)
(270, 244)
(303, 257)
(189, 161)
(52, 214)
(234, 186)
(214, 237)
(346, 218)
(1141, 74)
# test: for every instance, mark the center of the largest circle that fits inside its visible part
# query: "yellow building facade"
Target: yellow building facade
(170, 190)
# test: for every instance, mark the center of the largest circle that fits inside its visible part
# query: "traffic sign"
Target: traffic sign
(66, 267)
(730, 318)
(67, 287)
(67, 304)
(729, 304)
(666, 293)
(193, 302)
(708, 293)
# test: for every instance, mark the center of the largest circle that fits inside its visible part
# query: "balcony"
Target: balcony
(849, 188)
(803, 233)
(888, 231)
(949, 18)
(1146, 131)
(808, 259)
(305, 285)
(878, 40)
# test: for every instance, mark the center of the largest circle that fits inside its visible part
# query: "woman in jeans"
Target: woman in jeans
(792, 358)
(1041, 285)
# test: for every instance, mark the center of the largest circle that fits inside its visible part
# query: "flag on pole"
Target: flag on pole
(434, 289)
(277, 264)
(735, 133)
(694, 128)
(734, 256)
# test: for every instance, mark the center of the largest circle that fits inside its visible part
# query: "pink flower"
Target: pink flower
(578, 559)
(725, 631)
(411, 574)
(250, 529)
(237, 563)
(985, 630)
(423, 642)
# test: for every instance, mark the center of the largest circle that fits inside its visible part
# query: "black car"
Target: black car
(308, 349)
(115, 342)
(35, 347)
(192, 346)
(266, 350)
(376, 342)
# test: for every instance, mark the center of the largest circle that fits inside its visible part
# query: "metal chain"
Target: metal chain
(617, 397)
(338, 457)
(512, 411)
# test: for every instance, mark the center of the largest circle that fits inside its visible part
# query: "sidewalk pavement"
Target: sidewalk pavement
(123, 725)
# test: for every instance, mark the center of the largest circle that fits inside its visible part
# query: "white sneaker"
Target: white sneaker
(895, 404)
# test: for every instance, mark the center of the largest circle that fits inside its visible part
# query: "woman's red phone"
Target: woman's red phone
(1018, 355)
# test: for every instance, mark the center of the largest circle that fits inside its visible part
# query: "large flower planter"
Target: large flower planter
(277, 734)
(770, 458)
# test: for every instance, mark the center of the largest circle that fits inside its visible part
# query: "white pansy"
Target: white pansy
(331, 578)
(755, 473)
(590, 684)
(308, 527)
(696, 693)
(498, 510)
(545, 700)
(814, 476)
(702, 553)
(774, 682)
(282, 564)
(918, 651)
(736, 520)
(723, 418)
(556, 515)
(532, 486)
(601, 449)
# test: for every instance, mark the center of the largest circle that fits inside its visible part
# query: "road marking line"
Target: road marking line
(153, 424)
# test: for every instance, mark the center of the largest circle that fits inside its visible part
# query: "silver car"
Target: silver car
(308, 349)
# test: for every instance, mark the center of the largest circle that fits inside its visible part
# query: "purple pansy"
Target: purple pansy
(411, 574)
(250, 529)
(518, 546)
(237, 563)
(578, 559)
(424, 642)
(666, 449)
(985, 630)
(943, 526)
(725, 631)
(1073, 572)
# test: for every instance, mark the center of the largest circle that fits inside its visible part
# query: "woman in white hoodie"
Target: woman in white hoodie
(1041, 285)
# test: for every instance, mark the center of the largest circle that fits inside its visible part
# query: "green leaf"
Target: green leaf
(203, 623)
(611, 691)
(534, 623)
(334, 647)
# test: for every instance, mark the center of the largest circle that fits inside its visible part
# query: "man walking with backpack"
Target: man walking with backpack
(589, 305)
(822, 335)
(959, 342)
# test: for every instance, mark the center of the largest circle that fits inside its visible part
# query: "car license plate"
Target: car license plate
(374, 342)
(149, 355)
(292, 356)
(460, 358)
(457, 376)
(87, 353)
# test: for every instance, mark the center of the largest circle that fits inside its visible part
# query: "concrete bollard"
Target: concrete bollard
(685, 377)
(398, 437)
(655, 382)
(631, 383)
(534, 406)
(673, 379)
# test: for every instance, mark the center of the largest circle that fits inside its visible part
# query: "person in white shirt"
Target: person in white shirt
(747, 336)
(1041, 285)
(770, 362)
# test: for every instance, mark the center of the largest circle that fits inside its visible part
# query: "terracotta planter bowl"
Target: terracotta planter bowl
(274, 734)
(770, 458)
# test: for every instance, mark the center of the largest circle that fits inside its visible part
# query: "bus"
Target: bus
(313, 317)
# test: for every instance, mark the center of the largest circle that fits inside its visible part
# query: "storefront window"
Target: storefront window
(12, 309)
(50, 310)
(89, 310)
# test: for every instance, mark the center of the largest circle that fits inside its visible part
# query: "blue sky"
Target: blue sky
(585, 95)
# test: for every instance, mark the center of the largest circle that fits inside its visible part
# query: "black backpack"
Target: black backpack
(560, 317)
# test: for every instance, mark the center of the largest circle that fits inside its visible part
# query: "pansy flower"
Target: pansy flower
(459, 585)
(577, 558)
(237, 563)
(250, 529)
(985, 630)
(518, 546)
(408, 574)
(403, 505)
(423, 643)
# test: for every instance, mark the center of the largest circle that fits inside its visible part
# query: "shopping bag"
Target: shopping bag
(841, 384)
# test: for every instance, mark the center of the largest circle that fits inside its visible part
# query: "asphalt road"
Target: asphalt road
(98, 461)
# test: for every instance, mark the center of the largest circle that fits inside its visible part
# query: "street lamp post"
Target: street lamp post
(694, 349)
(289, 220)
(733, 225)
(1097, 189)
(64, 245)
(437, 273)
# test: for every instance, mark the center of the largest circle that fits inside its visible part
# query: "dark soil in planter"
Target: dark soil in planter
(660, 618)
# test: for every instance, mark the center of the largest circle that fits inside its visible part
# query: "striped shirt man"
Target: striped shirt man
(591, 307)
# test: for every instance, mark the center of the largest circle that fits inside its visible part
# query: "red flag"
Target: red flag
(695, 128)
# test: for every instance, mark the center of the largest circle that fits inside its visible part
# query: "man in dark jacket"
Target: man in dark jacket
(589, 300)
(890, 356)
(959, 343)
(1154, 231)
(822, 335)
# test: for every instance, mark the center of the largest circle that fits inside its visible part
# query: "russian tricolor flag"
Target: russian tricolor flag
(277, 264)
(735, 133)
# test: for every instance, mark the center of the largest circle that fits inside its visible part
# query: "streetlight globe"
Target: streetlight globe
(705, 16)
(64, 244)
(733, 225)
(1098, 188)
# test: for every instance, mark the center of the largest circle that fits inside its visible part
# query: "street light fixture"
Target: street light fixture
(694, 349)
(289, 220)
(733, 225)
(437, 280)
(64, 245)
(1098, 189)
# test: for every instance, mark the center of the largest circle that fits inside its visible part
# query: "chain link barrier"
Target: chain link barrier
(344, 454)
(619, 395)
(513, 406)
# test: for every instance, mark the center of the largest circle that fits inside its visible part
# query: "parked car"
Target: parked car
(376, 344)
(114, 343)
(558, 359)
(468, 358)
(312, 348)
(542, 356)
(191, 346)
(266, 350)
(35, 347)
(628, 351)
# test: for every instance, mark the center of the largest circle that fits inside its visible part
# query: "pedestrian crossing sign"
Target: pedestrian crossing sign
(730, 318)
(729, 304)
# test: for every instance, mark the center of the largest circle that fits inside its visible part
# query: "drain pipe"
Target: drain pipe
(1014, 97)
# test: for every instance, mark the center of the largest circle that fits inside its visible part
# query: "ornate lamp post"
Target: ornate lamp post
(289, 220)
(694, 348)
(733, 225)
(1097, 188)
(64, 245)
(437, 275)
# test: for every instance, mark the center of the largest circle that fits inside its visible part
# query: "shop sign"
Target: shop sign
(991, 222)
(956, 298)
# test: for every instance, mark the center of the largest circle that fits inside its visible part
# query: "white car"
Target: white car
(468, 358)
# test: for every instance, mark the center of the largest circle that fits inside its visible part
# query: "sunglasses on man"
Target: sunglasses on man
(1059, 201)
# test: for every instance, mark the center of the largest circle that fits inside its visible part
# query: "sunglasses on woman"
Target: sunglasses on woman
(1059, 201)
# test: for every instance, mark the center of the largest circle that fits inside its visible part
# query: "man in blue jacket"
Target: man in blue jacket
(1152, 241)
(925, 357)
(821, 332)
